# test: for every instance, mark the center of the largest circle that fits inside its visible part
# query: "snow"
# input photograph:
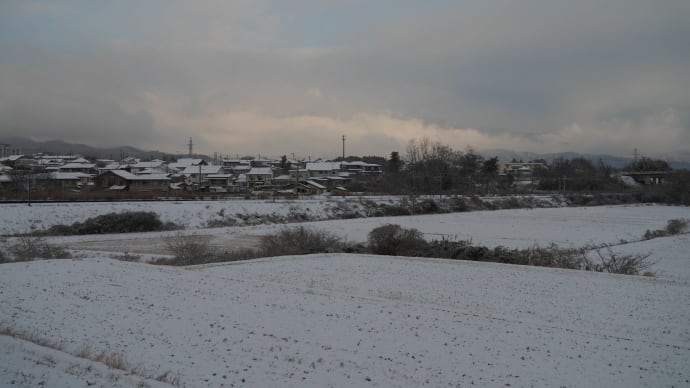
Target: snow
(357, 320)
(350, 320)
(24, 364)
(19, 218)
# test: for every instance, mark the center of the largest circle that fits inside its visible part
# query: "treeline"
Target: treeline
(435, 168)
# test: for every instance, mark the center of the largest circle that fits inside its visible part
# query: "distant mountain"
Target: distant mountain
(618, 162)
(59, 147)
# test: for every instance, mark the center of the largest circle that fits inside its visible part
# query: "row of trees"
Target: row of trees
(433, 167)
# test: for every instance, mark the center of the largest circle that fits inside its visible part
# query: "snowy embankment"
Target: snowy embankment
(20, 218)
(621, 227)
(349, 320)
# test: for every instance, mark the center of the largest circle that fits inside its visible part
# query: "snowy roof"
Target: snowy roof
(11, 158)
(77, 165)
(132, 177)
(203, 169)
(260, 171)
(188, 162)
(68, 176)
(323, 166)
(151, 164)
(361, 164)
(317, 185)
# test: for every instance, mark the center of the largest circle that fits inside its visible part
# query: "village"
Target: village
(246, 175)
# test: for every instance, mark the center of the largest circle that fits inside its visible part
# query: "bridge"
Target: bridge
(647, 177)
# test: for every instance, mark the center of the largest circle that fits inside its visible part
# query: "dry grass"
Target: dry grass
(112, 360)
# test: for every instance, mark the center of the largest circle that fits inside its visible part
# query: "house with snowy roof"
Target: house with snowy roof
(84, 168)
(125, 180)
(321, 169)
(260, 176)
(359, 167)
(62, 180)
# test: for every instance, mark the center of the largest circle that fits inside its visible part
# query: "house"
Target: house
(283, 180)
(514, 167)
(152, 167)
(320, 169)
(219, 180)
(331, 182)
(69, 180)
(122, 179)
(311, 187)
(523, 173)
(300, 174)
(183, 163)
(361, 168)
(198, 174)
(84, 168)
(260, 176)
(9, 160)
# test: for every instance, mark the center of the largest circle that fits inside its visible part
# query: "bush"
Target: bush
(28, 248)
(673, 227)
(676, 226)
(188, 250)
(395, 240)
(626, 264)
(125, 222)
(299, 241)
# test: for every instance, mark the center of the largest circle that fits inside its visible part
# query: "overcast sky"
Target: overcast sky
(276, 77)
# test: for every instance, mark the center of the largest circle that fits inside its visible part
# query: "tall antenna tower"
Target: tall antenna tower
(343, 148)
(191, 147)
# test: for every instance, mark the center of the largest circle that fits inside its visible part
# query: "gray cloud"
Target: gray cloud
(532, 74)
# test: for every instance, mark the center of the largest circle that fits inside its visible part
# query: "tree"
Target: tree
(394, 163)
(284, 164)
(645, 164)
(490, 167)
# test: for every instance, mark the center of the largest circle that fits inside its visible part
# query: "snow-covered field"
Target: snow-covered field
(20, 218)
(351, 320)
(618, 226)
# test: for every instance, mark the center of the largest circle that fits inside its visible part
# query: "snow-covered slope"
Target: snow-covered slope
(355, 320)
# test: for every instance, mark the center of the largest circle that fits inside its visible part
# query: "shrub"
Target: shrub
(676, 226)
(393, 239)
(673, 227)
(627, 264)
(28, 248)
(299, 241)
(188, 249)
(427, 206)
(125, 222)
